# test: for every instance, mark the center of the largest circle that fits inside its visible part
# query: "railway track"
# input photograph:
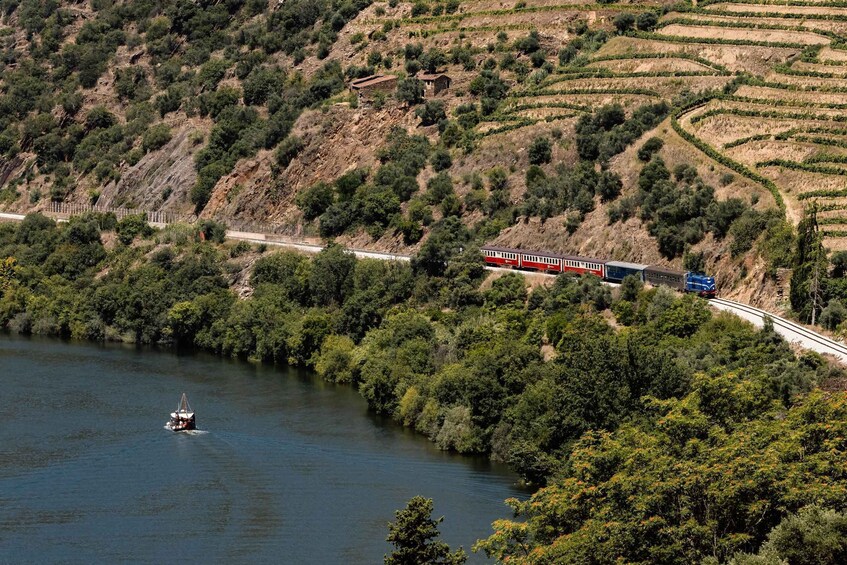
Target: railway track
(791, 331)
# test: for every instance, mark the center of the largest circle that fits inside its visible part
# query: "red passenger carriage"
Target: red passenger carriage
(502, 257)
(542, 261)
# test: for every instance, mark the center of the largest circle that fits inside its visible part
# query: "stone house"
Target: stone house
(435, 83)
(368, 87)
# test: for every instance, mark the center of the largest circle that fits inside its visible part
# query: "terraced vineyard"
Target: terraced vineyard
(786, 123)
(774, 76)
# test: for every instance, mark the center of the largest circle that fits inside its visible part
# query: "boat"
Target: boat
(183, 418)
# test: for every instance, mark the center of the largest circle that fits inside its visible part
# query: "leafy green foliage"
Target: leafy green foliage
(414, 535)
(573, 189)
(624, 22)
(490, 88)
(607, 132)
(651, 146)
(133, 226)
(410, 91)
(431, 113)
(314, 200)
(540, 151)
(813, 535)
(156, 137)
(679, 215)
(650, 489)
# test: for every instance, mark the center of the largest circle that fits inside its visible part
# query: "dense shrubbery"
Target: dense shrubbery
(359, 199)
(650, 488)
(680, 210)
(608, 132)
(569, 189)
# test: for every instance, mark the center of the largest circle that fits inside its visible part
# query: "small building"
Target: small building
(368, 87)
(435, 83)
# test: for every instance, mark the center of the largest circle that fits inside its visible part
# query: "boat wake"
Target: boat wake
(188, 432)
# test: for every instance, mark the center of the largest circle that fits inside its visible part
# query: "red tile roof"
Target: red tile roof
(372, 81)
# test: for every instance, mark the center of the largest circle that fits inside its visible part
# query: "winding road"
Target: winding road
(791, 331)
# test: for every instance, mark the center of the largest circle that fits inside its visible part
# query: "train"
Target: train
(611, 271)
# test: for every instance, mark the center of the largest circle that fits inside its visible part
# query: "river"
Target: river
(288, 469)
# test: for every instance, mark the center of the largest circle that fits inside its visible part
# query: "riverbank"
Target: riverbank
(503, 371)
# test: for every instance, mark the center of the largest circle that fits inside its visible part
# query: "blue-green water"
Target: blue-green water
(288, 470)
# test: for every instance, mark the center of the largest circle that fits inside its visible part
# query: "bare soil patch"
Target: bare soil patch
(775, 8)
(659, 65)
(798, 96)
(664, 86)
(750, 58)
(830, 54)
(741, 34)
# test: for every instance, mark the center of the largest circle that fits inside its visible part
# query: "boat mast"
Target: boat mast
(183, 404)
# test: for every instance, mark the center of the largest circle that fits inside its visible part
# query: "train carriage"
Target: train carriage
(617, 270)
(584, 265)
(656, 276)
(542, 261)
(501, 256)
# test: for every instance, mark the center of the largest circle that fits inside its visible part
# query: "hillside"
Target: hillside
(241, 112)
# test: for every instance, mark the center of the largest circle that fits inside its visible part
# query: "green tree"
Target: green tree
(441, 160)
(133, 226)
(808, 278)
(156, 137)
(431, 113)
(331, 275)
(813, 536)
(314, 200)
(415, 537)
(646, 21)
(651, 146)
(540, 151)
(624, 22)
(410, 91)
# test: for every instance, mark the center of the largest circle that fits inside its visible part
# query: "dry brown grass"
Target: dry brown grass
(838, 70)
(651, 65)
(764, 150)
(664, 86)
(676, 151)
(775, 8)
(805, 82)
(830, 54)
(628, 101)
(721, 129)
(749, 58)
(811, 25)
(795, 96)
(794, 182)
(544, 113)
(742, 34)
